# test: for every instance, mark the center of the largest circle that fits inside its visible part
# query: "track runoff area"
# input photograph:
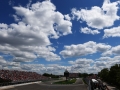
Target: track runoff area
(42, 86)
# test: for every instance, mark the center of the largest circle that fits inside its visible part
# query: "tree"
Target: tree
(66, 74)
(114, 74)
(84, 75)
(104, 74)
(111, 76)
(46, 74)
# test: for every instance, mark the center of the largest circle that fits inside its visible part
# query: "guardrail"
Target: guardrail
(17, 82)
(97, 86)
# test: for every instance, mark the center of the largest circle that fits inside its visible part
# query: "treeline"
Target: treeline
(51, 75)
(84, 75)
(111, 76)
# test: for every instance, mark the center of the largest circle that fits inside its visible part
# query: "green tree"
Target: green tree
(104, 74)
(66, 74)
(114, 74)
(111, 76)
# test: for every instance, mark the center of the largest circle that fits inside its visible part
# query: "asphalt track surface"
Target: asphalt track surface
(79, 85)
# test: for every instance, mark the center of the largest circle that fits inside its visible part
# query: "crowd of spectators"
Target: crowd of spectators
(20, 76)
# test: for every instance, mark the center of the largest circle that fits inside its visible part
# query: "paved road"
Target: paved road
(79, 81)
(41, 86)
(49, 87)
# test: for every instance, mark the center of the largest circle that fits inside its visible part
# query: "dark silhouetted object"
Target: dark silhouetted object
(66, 74)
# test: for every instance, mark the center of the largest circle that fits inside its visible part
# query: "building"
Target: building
(73, 75)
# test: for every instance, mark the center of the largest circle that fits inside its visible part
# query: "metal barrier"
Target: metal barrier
(17, 82)
(98, 86)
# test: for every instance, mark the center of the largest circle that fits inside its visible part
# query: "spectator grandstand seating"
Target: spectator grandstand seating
(15, 76)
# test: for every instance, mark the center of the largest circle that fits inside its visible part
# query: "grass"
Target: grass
(84, 81)
(66, 82)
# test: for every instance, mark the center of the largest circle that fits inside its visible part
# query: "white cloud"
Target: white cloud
(116, 50)
(54, 69)
(107, 53)
(82, 65)
(2, 61)
(104, 58)
(98, 17)
(87, 30)
(82, 61)
(29, 38)
(78, 50)
(2, 25)
(107, 62)
(16, 18)
(42, 16)
(112, 32)
(101, 47)
(84, 49)
(67, 17)
(113, 51)
(4, 64)
(101, 63)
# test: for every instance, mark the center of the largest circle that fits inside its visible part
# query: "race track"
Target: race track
(42, 86)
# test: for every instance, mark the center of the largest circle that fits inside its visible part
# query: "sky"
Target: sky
(50, 36)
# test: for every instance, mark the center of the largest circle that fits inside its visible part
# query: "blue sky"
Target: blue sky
(53, 35)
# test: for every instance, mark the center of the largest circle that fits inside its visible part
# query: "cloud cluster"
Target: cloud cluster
(84, 65)
(112, 32)
(54, 69)
(113, 51)
(98, 17)
(80, 65)
(43, 18)
(87, 30)
(107, 62)
(29, 38)
(90, 47)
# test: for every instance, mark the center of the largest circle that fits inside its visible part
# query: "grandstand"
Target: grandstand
(14, 76)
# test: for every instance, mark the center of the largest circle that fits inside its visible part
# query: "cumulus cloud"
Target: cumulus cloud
(29, 38)
(99, 63)
(51, 68)
(84, 49)
(79, 65)
(43, 18)
(98, 17)
(107, 62)
(87, 30)
(101, 47)
(4, 64)
(67, 17)
(107, 53)
(104, 58)
(2, 61)
(83, 65)
(113, 51)
(82, 61)
(112, 32)
(116, 50)
(2, 25)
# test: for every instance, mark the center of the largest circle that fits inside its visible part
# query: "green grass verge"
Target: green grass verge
(66, 82)
(84, 81)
